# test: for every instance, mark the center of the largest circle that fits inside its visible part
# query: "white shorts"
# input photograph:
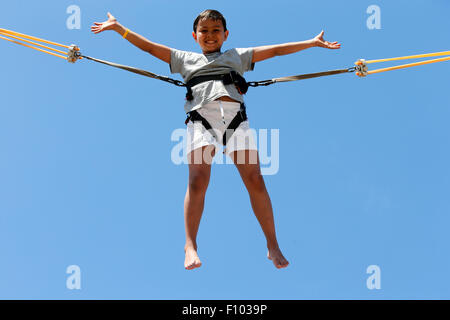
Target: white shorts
(216, 113)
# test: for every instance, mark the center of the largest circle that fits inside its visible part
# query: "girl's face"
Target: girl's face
(210, 35)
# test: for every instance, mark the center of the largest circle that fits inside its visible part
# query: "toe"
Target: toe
(284, 264)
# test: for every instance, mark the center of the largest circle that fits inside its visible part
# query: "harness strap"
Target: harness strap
(240, 117)
(194, 116)
(227, 78)
(299, 77)
(137, 71)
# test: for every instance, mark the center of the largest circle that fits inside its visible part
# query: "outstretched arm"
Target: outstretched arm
(266, 52)
(158, 50)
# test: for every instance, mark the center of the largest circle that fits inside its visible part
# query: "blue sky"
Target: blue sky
(87, 177)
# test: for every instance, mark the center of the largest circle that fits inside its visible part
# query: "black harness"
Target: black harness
(229, 78)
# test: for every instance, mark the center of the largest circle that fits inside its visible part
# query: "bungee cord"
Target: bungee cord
(10, 35)
(73, 54)
(363, 71)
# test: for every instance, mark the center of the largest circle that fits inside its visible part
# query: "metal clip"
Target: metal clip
(74, 54)
(361, 68)
(260, 83)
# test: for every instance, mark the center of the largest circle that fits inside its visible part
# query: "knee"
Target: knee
(255, 182)
(198, 183)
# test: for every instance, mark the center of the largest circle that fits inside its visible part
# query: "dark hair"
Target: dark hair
(210, 14)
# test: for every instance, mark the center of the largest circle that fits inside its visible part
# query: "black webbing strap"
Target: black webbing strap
(240, 117)
(311, 75)
(226, 78)
(299, 77)
(231, 77)
(195, 116)
(138, 71)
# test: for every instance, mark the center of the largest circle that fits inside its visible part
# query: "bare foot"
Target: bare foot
(277, 258)
(191, 260)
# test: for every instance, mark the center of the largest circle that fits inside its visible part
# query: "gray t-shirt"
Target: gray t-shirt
(192, 64)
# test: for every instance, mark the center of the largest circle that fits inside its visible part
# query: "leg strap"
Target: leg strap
(240, 117)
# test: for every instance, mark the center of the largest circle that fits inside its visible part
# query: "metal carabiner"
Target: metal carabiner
(74, 54)
(361, 68)
(260, 83)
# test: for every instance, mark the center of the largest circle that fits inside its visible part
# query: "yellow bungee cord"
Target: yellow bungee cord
(363, 70)
(23, 39)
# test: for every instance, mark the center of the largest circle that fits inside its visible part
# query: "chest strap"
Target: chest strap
(240, 117)
(228, 78)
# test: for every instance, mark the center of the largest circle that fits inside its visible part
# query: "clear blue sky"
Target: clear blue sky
(86, 176)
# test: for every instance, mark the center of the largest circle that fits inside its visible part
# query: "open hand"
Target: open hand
(107, 25)
(320, 42)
